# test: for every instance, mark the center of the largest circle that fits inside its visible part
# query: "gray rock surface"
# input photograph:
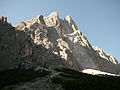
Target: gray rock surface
(50, 42)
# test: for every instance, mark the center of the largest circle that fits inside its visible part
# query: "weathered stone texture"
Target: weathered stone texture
(49, 42)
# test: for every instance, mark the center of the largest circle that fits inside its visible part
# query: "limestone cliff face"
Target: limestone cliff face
(17, 50)
(64, 42)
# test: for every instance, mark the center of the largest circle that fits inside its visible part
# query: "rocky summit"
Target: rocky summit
(49, 53)
(50, 42)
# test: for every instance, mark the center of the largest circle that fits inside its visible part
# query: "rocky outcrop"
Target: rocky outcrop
(51, 41)
(105, 55)
(17, 50)
(3, 20)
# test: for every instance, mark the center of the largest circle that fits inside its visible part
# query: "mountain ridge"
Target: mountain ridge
(62, 38)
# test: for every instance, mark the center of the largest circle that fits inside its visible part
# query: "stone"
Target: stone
(3, 20)
(51, 42)
(52, 19)
(40, 19)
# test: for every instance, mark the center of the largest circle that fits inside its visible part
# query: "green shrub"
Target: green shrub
(13, 76)
(74, 80)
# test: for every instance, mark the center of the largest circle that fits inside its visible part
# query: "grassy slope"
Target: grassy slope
(13, 76)
(73, 80)
(69, 79)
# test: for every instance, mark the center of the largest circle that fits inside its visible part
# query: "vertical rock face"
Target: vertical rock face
(56, 42)
(3, 20)
(18, 50)
(52, 19)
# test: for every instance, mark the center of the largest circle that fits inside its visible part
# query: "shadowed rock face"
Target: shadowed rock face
(50, 42)
(17, 50)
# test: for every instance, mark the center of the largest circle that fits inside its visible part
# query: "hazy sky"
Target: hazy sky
(99, 20)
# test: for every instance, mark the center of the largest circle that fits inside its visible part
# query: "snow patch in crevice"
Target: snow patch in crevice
(97, 72)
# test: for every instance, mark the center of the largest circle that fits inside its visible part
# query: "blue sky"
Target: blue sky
(99, 20)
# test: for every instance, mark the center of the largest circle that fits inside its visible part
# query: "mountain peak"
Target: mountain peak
(62, 45)
(68, 18)
(41, 19)
(54, 14)
(52, 19)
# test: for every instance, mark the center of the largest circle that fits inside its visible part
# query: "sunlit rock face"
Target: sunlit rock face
(62, 38)
(105, 55)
